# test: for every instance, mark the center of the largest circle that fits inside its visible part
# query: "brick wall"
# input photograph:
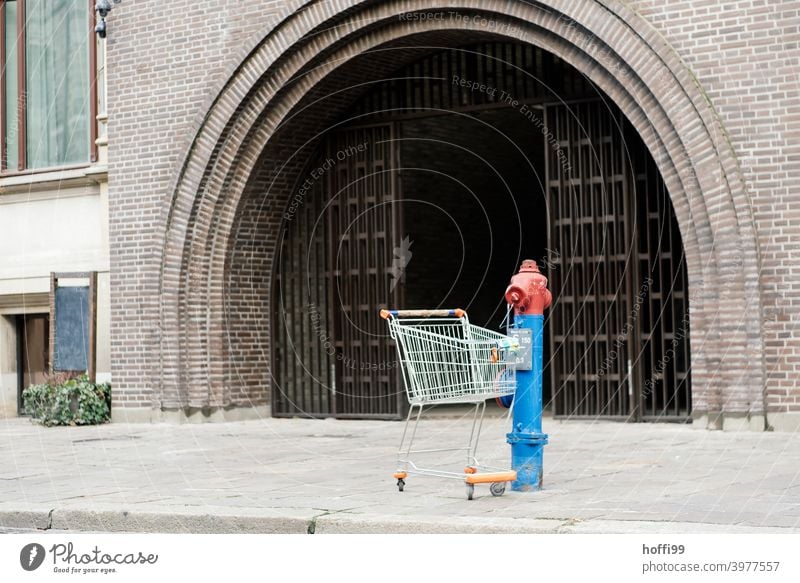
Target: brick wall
(745, 55)
(163, 65)
(194, 99)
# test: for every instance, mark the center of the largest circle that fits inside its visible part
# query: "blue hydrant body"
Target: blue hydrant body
(528, 296)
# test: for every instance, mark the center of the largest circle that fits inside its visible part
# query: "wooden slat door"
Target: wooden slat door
(591, 332)
(663, 370)
(619, 326)
(332, 353)
(365, 222)
(302, 360)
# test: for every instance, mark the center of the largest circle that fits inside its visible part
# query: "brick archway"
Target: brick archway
(315, 41)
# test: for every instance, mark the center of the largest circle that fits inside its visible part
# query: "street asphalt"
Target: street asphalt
(334, 476)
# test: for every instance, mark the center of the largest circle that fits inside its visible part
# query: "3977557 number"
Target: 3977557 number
(753, 566)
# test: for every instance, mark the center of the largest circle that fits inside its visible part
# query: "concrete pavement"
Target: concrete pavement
(277, 475)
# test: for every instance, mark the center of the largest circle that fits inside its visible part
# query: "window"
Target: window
(47, 80)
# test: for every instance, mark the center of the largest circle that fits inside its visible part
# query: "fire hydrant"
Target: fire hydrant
(529, 297)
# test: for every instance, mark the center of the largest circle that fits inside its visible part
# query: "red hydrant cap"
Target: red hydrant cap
(528, 291)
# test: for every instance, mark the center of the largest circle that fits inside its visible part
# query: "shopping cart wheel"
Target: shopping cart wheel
(470, 491)
(497, 488)
(401, 483)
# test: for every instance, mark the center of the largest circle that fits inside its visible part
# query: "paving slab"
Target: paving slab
(334, 476)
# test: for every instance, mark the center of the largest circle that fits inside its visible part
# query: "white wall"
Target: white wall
(50, 222)
(40, 231)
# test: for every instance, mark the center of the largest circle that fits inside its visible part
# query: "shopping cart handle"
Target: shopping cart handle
(457, 313)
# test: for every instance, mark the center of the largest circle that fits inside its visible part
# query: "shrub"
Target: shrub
(75, 401)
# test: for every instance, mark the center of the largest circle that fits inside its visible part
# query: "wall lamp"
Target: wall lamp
(103, 7)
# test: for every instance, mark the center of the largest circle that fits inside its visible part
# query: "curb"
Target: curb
(310, 522)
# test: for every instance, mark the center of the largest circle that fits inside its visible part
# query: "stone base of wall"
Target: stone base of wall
(189, 414)
(729, 421)
(789, 422)
(743, 422)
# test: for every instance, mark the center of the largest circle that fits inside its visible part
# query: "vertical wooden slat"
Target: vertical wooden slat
(92, 352)
(52, 339)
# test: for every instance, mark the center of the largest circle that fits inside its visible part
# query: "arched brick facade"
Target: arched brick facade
(309, 51)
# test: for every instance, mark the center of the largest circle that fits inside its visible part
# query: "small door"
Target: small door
(33, 346)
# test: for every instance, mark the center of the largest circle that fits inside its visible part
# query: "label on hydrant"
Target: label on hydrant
(524, 357)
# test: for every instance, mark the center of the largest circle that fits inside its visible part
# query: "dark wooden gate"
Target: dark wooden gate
(333, 356)
(619, 323)
(618, 330)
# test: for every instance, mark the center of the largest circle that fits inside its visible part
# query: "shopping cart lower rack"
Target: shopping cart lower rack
(445, 359)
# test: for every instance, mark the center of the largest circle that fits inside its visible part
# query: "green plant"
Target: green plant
(75, 401)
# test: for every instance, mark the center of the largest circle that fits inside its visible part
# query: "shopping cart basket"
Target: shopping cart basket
(445, 359)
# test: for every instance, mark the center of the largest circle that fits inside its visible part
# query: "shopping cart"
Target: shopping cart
(445, 359)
